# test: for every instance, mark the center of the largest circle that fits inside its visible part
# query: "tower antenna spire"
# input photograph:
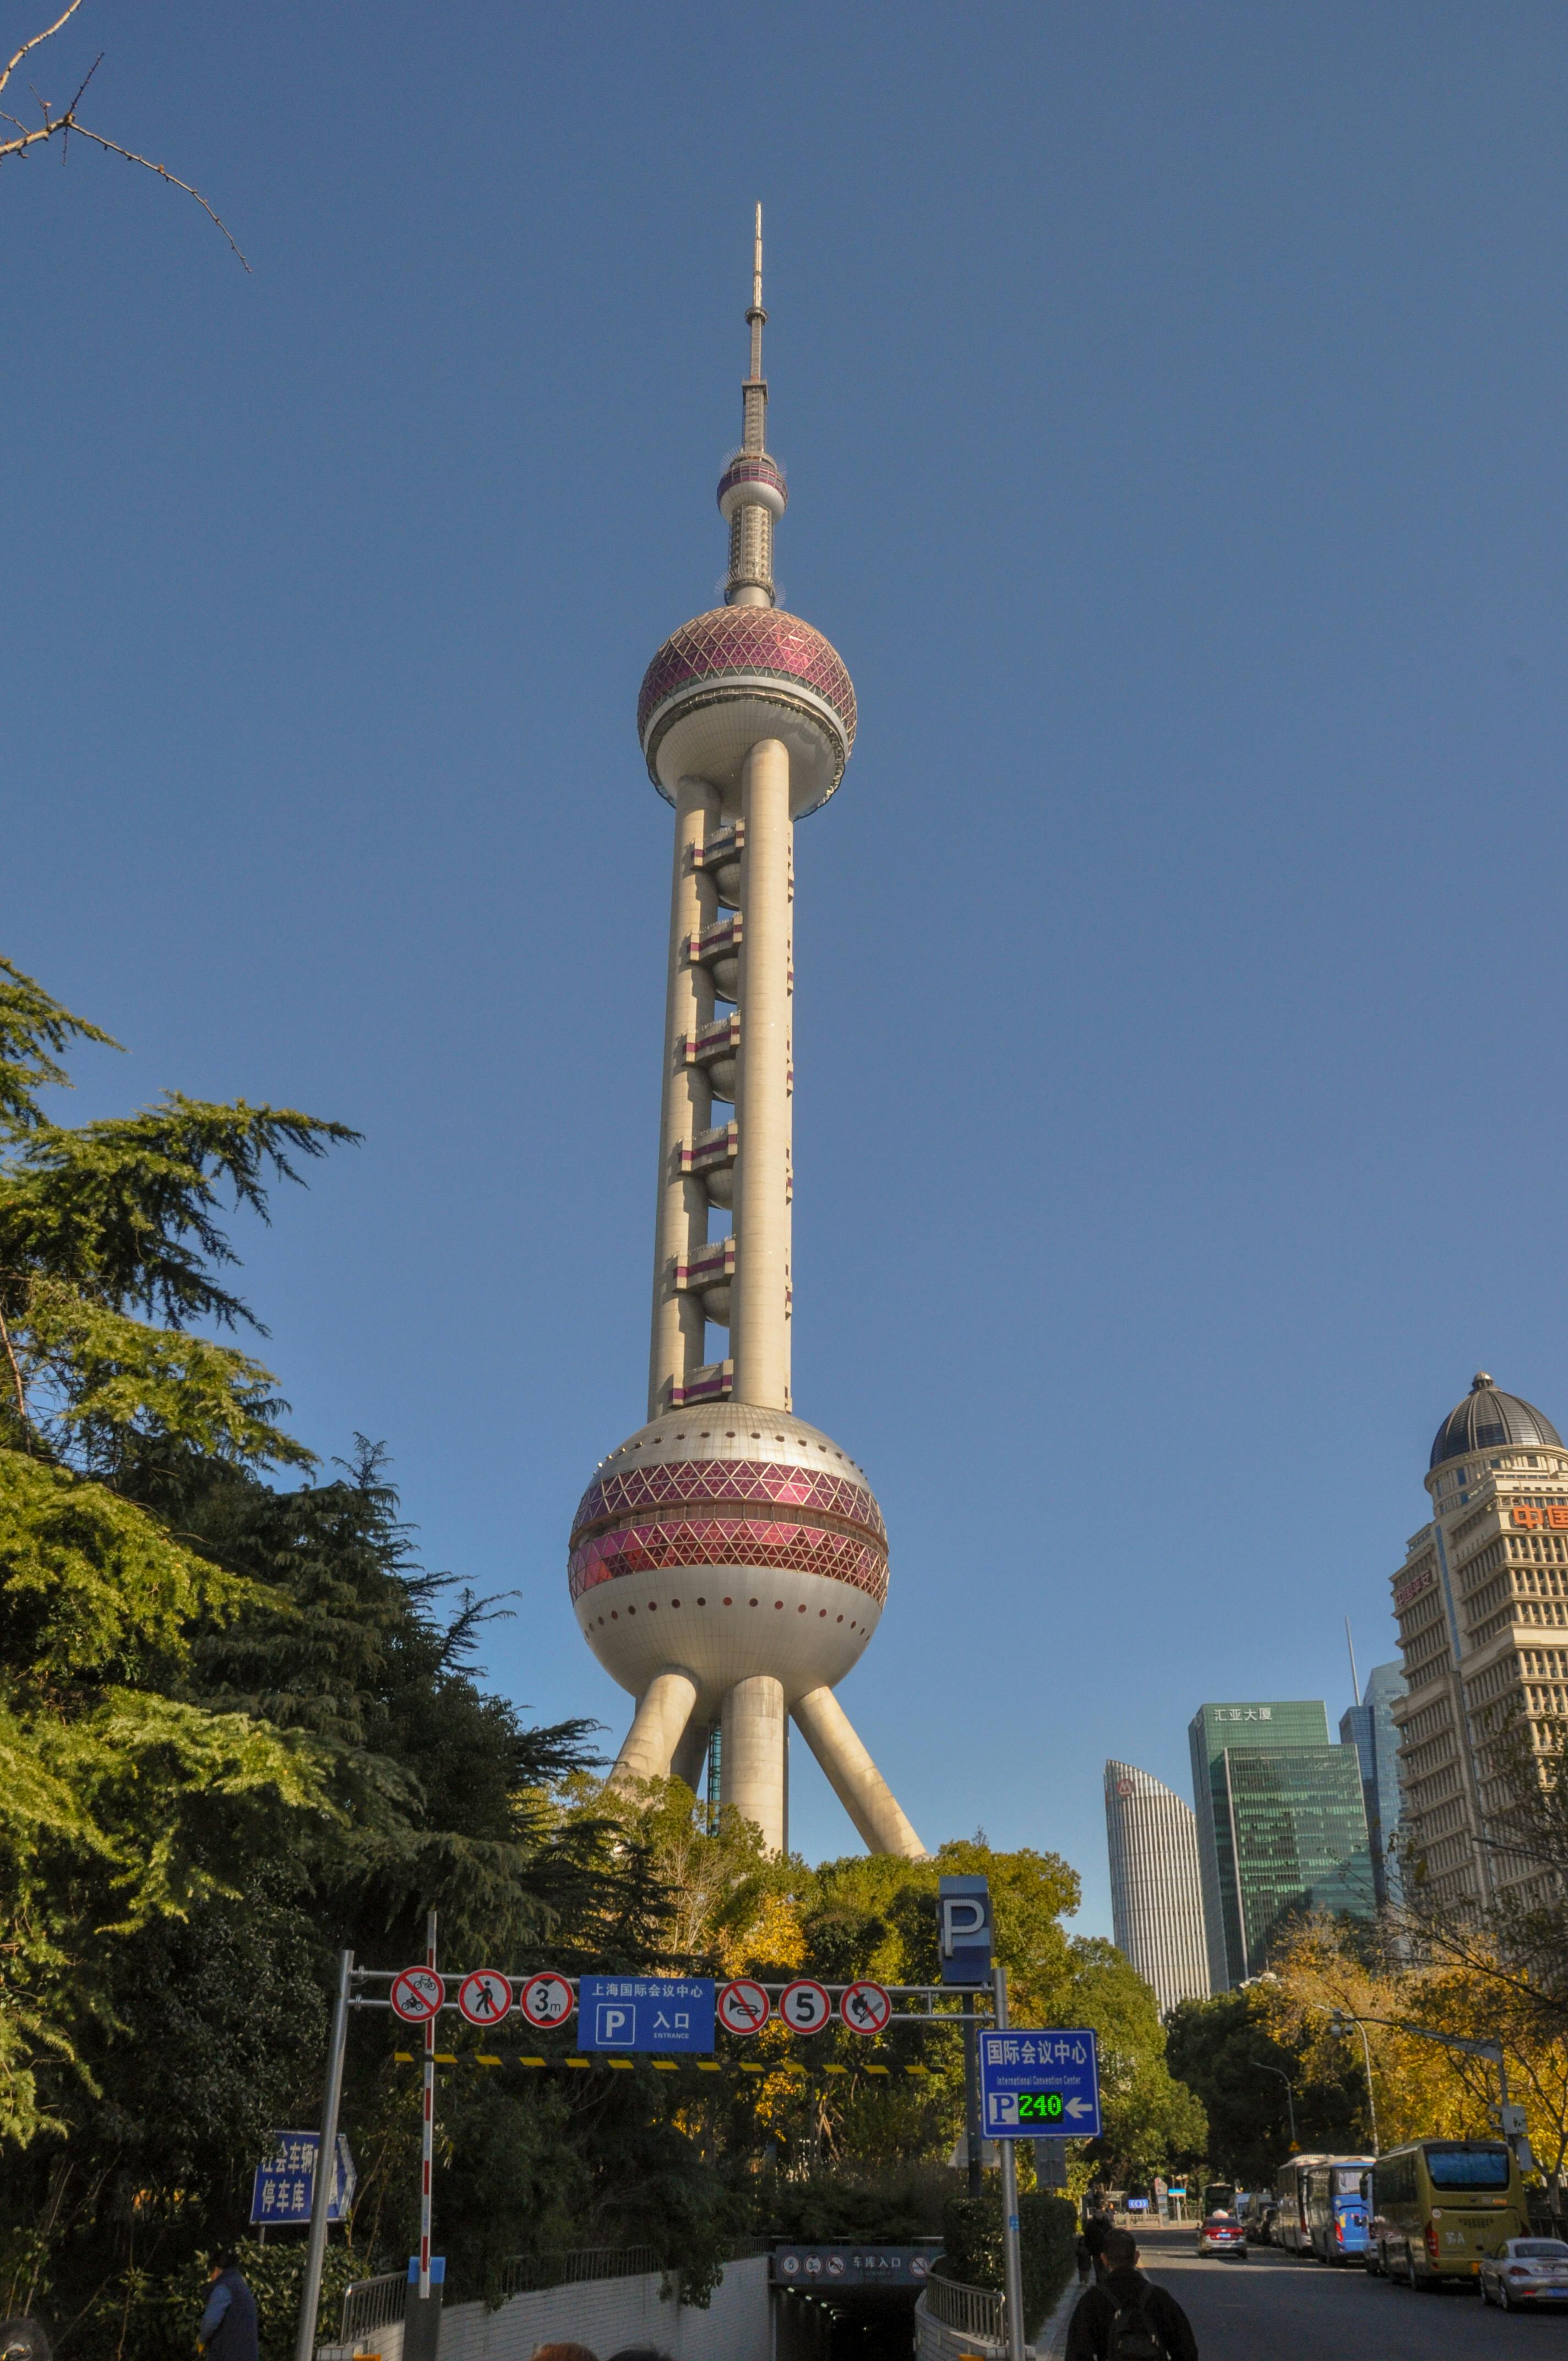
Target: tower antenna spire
(752, 494)
(1354, 1683)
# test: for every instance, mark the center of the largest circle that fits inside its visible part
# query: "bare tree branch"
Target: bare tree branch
(44, 35)
(61, 126)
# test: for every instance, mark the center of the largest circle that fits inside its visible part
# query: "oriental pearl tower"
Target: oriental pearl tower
(728, 1561)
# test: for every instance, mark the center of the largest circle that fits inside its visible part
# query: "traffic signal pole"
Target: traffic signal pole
(1012, 2257)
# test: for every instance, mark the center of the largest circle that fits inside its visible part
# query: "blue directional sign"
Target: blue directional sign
(645, 2013)
(285, 2186)
(1036, 2082)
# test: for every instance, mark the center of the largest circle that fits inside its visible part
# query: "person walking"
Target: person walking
(227, 2332)
(1083, 2259)
(1127, 2317)
(1096, 2230)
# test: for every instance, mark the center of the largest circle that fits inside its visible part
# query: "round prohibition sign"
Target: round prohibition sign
(484, 1996)
(547, 2000)
(743, 2006)
(865, 2008)
(418, 1994)
(805, 2006)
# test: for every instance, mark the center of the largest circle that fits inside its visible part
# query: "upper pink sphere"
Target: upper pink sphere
(753, 657)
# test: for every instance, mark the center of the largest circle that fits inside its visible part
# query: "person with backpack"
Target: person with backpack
(1097, 2228)
(1127, 2317)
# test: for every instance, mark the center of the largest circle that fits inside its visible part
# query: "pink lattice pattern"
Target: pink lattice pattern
(747, 639)
(730, 1540)
(705, 1481)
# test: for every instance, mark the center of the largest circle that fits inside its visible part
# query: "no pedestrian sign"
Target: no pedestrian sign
(1039, 2083)
(485, 1997)
(646, 2014)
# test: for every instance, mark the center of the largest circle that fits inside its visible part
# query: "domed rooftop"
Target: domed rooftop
(738, 655)
(1487, 1419)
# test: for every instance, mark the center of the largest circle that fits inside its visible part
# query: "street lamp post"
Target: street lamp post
(1512, 2119)
(1289, 2095)
(1339, 2023)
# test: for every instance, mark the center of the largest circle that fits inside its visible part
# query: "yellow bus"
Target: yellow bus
(1438, 2205)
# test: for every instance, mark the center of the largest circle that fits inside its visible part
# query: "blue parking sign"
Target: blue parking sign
(1039, 2081)
(646, 2014)
(284, 2187)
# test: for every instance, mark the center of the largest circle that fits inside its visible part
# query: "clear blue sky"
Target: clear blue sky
(1174, 401)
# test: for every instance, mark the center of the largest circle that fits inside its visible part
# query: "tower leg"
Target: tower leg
(656, 1729)
(690, 1757)
(751, 1754)
(856, 1781)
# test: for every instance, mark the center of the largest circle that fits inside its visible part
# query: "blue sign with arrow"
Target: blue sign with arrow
(1039, 2083)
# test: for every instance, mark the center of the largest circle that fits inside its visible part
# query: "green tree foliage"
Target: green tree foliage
(242, 1726)
(1231, 2051)
(972, 2244)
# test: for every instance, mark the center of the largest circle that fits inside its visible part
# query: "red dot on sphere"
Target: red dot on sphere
(800, 1610)
(728, 1602)
(822, 1611)
(778, 1602)
(754, 1602)
(675, 1602)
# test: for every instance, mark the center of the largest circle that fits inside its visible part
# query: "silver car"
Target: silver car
(1526, 2270)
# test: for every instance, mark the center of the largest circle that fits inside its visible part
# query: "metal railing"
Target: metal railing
(977, 2313)
(370, 2305)
(525, 2274)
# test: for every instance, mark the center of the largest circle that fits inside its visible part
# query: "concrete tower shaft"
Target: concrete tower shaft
(729, 1564)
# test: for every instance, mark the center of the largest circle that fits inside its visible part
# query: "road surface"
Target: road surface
(1274, 2308)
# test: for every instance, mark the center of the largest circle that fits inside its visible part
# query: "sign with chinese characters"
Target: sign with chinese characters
(1530, 1515)
(284, 2187)
(816, 2269)
(1039, 2080)
(1413, 1587)
(645, 2013)
(1244, 1713)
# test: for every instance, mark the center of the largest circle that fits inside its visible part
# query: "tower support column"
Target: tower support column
(681, 1223)
(854, 1777)
(752, 1755)
(657, 1729)
(760, 1295)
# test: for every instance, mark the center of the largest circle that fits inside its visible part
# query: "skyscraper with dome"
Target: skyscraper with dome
(1482, 1605)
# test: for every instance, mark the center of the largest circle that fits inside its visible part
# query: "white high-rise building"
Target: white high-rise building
(1156, 1891)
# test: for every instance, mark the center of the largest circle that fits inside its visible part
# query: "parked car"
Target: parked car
(1526, 2270)
(1221, 2233)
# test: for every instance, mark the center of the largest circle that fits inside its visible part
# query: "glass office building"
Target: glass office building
(1281, 1827)
(1369, 1728)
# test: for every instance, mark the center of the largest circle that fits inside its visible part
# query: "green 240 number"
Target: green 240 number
(1039, 2106)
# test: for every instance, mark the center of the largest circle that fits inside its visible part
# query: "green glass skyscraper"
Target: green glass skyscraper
(1281, 1827)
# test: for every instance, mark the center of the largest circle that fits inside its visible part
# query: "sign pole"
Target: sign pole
(427, 2129)
(326, 2167)
(1012, 2258)
(971, 2094)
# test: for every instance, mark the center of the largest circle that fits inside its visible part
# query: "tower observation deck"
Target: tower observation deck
(728, 1563)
